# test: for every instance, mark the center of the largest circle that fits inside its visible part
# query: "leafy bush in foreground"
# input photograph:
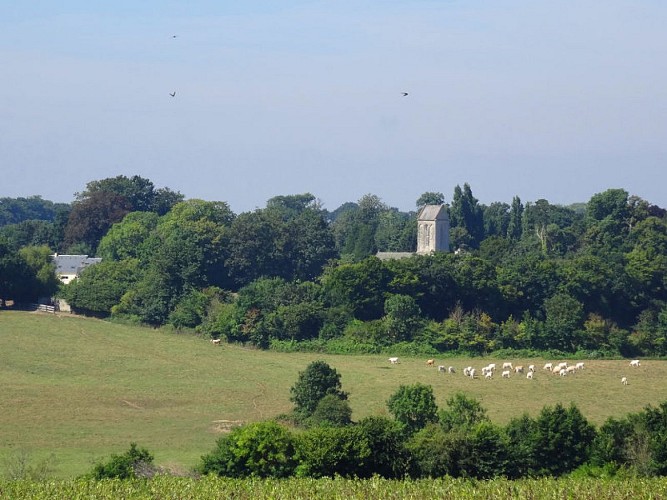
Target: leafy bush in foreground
(123, 466)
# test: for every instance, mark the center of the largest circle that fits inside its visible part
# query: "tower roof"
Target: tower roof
(433, 212)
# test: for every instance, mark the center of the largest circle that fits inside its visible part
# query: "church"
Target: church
(432, 233)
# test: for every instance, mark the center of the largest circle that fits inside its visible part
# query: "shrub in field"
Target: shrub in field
(480, 451)
(521, 435)
(435, 452)
(563, 439)
(262, 449)
(384, 438)
(489, 451)
(373, 447)
(315, 382)
(123, 466)
(331, 411)
(654, 422)
(611, 443)
(331, 451)
(413, 406)
(463, 412)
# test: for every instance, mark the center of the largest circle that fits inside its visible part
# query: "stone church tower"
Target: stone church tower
(432, 229)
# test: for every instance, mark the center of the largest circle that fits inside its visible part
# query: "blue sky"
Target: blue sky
(549, 99)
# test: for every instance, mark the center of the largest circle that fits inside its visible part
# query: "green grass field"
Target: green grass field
(84, 388)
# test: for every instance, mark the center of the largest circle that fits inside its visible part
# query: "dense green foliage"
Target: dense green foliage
(459, 441)
(413, 406)
(123, 466)
(263, 449)
(316, 382)
(589, 278)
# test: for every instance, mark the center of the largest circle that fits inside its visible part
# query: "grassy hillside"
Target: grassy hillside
(83, 388)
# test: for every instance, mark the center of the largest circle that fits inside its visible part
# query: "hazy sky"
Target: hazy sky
(537, 98)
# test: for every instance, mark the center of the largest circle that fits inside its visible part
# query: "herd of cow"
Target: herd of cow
(562, 369)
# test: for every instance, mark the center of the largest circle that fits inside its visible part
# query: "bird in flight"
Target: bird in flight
(404, 93)
(172, 94)
(174, 36)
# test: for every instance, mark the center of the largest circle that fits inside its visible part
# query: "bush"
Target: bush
(462, 412)
(315, 382)
(436, 453)
(331, 411)
(563, 439)
(331, 451)
(384, 438)
(413, 406)
(262, 449)
(123, 466)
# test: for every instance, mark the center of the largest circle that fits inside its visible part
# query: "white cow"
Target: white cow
(634, 362)
(472, 373)
(579, 365)
(393, 361)
(531, 368)
(548, 366)
(529, 375)
(215, 341)
(442, 369)
(488, 375)
(624, 381)
(506, 374)
(507, 365)
(451, 369)
(562, 372)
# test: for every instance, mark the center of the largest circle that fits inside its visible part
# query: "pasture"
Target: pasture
(84, 388)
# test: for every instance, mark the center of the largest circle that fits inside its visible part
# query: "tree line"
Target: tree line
(587, 277)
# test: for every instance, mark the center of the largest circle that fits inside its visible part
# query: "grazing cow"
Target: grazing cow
(624, 381)
(492, 366)
(430, 362)
(506, 374)
(562, 372)
(507, 365)
(531, 368)
(393, 361)
(518, 369)
(488, 374)
(215, 341)
(556, 370)
(529, 375)
(548, 366)
(472, 373)
(579, 365)
(451, 369)
(442, 369)
(634, 362)
(571, 369)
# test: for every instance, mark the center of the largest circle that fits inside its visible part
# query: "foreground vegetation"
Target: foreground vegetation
(376, 488)
(82, 388)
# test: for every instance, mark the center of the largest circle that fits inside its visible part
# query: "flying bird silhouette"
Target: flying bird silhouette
(174, 36)
(404, 94)
(172, 94)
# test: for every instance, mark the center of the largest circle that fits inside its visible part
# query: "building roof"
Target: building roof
(433, 212)
(73, 264)
(393, 255)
